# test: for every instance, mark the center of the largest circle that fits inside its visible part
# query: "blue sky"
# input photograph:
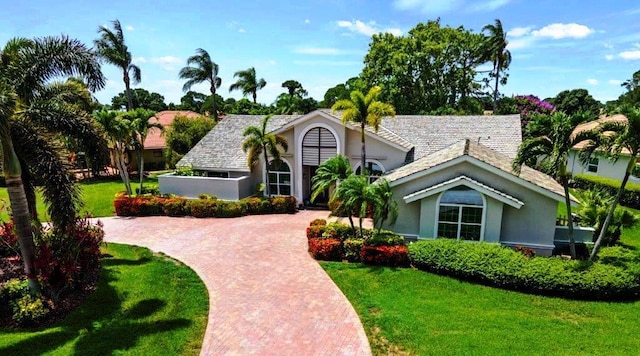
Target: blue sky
(556, 45)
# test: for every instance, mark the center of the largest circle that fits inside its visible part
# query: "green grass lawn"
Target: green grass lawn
(144, 305)
(427, 314)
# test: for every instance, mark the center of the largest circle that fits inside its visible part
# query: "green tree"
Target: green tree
(294, 88)
(496, 47)
(248, 83)
(551, 140)
(259, 141)
(140, 98)
(616, 138)
(632, 96)
(576, 100)
(330, 173)
(183, 134)
(33, 114)
(593, 209)
(380, 197)
(192, 101)
(245, 106)
(354, 195)
(200, 68)
(364, 110)
(112, 48)
(143, 121)
(119, 132)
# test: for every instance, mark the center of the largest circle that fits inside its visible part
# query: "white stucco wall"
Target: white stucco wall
(606, 167)
(191, 187)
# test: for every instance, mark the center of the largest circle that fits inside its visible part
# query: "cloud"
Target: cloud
(129, 28)
(367, 29)
(272, 62)
(241, 30)
(615, 82)
(489, 5)
(519, 31)
(139, 60)
(430, 7)
(325, 51)
(630, 55)
(607, 45)
(562, 30)
(167, 62)
(609, 57)
(307, 21)
(592, 81)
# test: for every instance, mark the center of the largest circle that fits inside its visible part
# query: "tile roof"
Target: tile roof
(481, 153)
(156, 139)
(221, 148)
(595, 123)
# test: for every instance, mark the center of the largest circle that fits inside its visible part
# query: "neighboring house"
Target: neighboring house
(599, 164)
(451, 175)
(155, 143)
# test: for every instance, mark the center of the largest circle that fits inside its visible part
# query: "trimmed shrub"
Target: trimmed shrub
(631, 197)
(284, 205)
(392, 256)
(326, 249)
(315, 232)
(338, 230)
(352, 248)
(385, 238)
(500, 266)
(202, 208)
(257, 206)
(206, 196)
(16, 302)
(148, 190)
(229, 209)
(175, 207)
(318, 222)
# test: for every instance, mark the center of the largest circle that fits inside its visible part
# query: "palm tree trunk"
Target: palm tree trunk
(266, 169)
(607, 221)
(128, 90)
(567, 200)
(363, 164)
(495, 89)
(213, 102)
(141, 166)
(255, 97)
(122, 167)
(19, 210)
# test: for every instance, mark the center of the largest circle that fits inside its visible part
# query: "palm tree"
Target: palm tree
(354, 194)
(615, 138)
(204, 70)
(497, 52)
(365, 110)
(258, 141)
(248, 83)
(330, 173)
(34, 113)
(551, 140)
(141, 126)
(119, 132)
(384, 206)
(111, 48)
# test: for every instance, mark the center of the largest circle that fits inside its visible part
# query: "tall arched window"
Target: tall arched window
(460, 214)
(279, 178)
(374, 171)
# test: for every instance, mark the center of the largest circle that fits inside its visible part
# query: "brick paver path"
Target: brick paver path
(267, 296)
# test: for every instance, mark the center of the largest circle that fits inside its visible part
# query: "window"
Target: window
(373, 170)
(157, 153)
(460, 214)
(279, 178)
(592, 166)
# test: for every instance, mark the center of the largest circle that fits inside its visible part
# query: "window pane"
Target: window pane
(448, 213)
(273, 178)
(470, 232)
(285, 178)
(461, 195)
(285, 190)
(448, 230)
(273, 189)
(472, 215)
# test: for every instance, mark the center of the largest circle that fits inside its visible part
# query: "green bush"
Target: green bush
(15, 301)
(202, 208)
(206, 196)
(175, 207)
(500, 266)
(148, 190)
(352, 248)
(338, 230)
(229, 209)
(631, 197)
(257, 206)
(284, 205)
(385, 238)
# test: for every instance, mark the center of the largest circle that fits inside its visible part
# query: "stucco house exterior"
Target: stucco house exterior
(451, 175)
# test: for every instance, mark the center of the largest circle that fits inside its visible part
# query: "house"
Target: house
(155, 143)
(451, 175)
(599, 164)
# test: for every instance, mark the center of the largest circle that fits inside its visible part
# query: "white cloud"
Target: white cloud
(609, 57)
(489, 5)
(327, 51)
(520, 43)
(241, 30)
(519, 31)
(562, 30)
(592, 81)
(367, 29)
(607, 45)
(307, 21)
(615, 82)
(139, 60)
(272, 62)
(630, 55)
(428, 6)
(167, 62)
(129, 28)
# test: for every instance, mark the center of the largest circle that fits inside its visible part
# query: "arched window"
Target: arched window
(279, 178)
(374, 171)
(460, 214)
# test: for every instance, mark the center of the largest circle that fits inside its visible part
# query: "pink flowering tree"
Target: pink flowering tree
(530, 106)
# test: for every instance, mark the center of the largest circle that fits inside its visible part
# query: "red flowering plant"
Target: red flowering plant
(326, 249)
(393, 256)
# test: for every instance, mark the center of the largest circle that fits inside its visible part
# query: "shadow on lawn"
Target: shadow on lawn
(100, 324)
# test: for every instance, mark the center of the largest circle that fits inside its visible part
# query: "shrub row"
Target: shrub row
(205, 207)
(503, 267)
(338, 242)
(631, 197)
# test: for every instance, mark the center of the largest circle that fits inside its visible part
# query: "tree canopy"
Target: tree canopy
(140, 98)
(576, 100)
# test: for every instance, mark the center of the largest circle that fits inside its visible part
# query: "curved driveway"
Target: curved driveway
(267, 296)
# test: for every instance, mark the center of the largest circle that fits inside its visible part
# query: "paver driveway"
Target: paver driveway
(267, 296)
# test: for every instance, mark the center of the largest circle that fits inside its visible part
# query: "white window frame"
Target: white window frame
(592, 165)
(277, 183)
(372, 178)
(459, 222)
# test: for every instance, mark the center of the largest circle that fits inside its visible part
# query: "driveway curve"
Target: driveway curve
(267, 296)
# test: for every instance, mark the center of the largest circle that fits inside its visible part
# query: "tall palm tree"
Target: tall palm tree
(204, 70)
(259, 141)
(330, 173)
(142, 123)
(112, 49)
(34, 113)
(354, 194)
(248, 82)
(119, 132)
(497, 52)
(615, 138)
(365, 110)
(380, 197)
(549, 146)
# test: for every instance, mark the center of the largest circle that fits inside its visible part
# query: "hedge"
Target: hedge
(503, 267)
(630, 198)
(202, 208)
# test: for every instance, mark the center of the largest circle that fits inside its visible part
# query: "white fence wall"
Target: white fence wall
(191, 187)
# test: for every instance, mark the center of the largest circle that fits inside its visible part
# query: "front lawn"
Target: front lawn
(424, 314)
(144, 304)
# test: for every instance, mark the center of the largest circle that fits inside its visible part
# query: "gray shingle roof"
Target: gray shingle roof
(482, 153)
(221, 148)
